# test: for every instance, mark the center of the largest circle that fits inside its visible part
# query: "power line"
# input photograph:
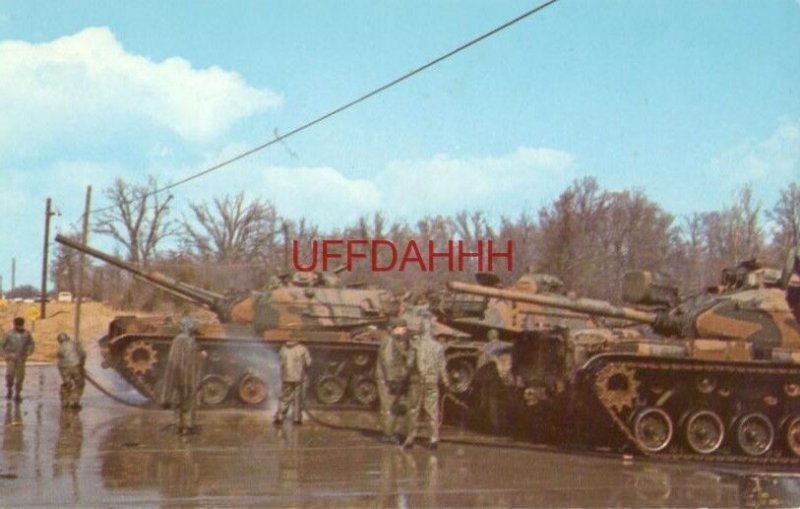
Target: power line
(376, 91)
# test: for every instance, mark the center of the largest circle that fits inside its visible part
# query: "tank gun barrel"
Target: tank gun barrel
(216, 301)
(588, 306)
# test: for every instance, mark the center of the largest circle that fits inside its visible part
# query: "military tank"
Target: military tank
(476, 315)
(339, 324)
(714, 378)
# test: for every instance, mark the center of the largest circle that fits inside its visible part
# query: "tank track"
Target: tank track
(697, 410)
(237, 372)
(237, 369)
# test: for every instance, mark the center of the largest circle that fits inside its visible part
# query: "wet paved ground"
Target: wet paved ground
(112, 455)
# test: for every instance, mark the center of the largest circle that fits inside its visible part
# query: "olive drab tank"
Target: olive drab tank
(714, 378)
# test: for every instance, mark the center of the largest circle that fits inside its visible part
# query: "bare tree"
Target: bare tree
(786, 216)
(229, 230)
(137, 218)
(64, 269)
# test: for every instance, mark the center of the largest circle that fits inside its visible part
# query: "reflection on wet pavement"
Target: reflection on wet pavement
(114, 455)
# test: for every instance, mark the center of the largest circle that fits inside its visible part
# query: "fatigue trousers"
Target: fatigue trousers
(72, 384)
(291, 392)
(389, 404)
(184, 414)
(15, 373)
(423, 396)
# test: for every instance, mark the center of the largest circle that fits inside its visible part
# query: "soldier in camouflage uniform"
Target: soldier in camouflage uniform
(182, 375)
(71, 358)
(428, 368)
(17, 346)
(295, 361)
(391, 374)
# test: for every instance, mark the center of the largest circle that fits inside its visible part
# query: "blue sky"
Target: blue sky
(685, 100)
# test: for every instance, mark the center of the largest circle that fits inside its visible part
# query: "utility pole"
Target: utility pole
(81, 262)
(285, 228)
(13, 273)
(48, 213)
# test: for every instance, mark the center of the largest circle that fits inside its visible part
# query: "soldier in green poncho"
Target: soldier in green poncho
(181, 378)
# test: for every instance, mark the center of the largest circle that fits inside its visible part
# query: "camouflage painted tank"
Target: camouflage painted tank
(339, 325)
(476, 315)
(715, 378)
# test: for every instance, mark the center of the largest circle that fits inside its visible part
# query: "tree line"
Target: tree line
(587, 236)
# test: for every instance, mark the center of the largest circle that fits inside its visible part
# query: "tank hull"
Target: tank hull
(693, 409)
(686, 409)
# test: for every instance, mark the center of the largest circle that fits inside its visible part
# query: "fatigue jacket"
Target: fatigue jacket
(71, 354)
(17, 344)
(392, 360)
(428, 360)
(295, 359)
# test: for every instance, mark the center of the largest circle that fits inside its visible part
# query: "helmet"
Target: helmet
(397, 322)
(62, 337)
(188, 326)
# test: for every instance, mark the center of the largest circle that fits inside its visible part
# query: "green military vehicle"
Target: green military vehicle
(713, 378)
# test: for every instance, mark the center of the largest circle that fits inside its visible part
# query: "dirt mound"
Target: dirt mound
(95, 317)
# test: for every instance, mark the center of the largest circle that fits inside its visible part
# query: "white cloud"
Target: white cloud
(504, 184)
(321, 194)
(774, 160)
(87, 82)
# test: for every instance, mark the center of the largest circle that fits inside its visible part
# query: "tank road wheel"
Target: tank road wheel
(706, 385)
(793, 435)
(460, 374)
(364, 390)
(330, 389)
(252, 390)
(704, 431)
(361, 359)
(213, 390)
(140, 357)
(653, 429)
(755, 434)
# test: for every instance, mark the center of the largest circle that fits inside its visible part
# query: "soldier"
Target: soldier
(295, 360)
(428, 368)
(184, 364)
(17, 346)
(392, 374)
(71, 359)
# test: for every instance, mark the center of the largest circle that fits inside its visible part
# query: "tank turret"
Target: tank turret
(750, 306)
(478, 312)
